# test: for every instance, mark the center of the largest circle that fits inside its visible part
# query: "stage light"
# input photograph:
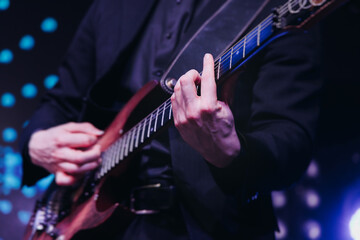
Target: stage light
(354, 225)
(50, 81)
(312, 229)
(24, 216)
(49, 25)
(6, 56)
(44, 183)
(279, 199)
(29, 90)
(282, 234)
(4, 4)
(25, 123)
(9, 134)
(5, 206)
(27, 42)
(7, 100)
(313, 169)
(11, 182)
(28, 192)
(312, 199)
(12, 160)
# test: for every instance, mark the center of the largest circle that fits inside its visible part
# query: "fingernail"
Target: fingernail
(99, 132)
(207, 55)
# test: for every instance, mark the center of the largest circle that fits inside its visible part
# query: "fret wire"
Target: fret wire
(143, 131)
(244, 47)
(113, 159)
(148, 133)
(231, 57)
(122, 147)
(132, 140)
(163, 113)
(218, 70)
(137, 135)
(170, 112)
(118, 151)
(127, 144)
(258, 35)
(157, 114)
(111, 155)
(105, 161)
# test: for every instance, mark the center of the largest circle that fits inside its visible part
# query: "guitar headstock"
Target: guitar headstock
(303, 13)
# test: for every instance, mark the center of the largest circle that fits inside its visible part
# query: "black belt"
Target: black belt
(151, 199)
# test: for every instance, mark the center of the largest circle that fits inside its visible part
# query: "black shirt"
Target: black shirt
(166, 26)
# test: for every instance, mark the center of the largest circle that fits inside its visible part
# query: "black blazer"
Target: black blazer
(275, 108)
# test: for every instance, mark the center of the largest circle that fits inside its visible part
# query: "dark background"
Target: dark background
(318, 207)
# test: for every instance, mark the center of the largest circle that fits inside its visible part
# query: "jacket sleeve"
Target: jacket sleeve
(63, 103)
(277, 134)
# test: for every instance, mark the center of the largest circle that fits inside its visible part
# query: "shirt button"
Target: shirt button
(168, 35)
(178, 1)
(158, 73)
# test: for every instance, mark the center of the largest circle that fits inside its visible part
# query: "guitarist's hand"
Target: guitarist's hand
(67, 150)
(205, 123)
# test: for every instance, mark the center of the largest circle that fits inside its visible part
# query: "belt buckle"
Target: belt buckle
(133, 200)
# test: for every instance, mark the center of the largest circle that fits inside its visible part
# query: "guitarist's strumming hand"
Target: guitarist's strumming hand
(68, 150)
(205, 123)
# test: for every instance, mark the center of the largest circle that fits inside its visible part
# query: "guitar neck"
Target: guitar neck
(135, 137)
(292, 14)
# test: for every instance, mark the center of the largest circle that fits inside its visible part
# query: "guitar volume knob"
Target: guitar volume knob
(168, 85)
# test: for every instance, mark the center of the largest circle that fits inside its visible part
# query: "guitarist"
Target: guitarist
(221, 161)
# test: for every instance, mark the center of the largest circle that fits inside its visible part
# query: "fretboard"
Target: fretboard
(135, 137)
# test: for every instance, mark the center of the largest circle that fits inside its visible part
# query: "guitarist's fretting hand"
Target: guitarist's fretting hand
(205, 123)
(67, 150)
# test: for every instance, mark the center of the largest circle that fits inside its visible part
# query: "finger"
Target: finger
(78, 156)
(63, 179)
(74, 169)
(187, 86)
(84, 127)
(75, 140)
(208, 85)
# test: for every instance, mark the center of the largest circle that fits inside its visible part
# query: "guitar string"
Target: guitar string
(282, 11)
(253, 33)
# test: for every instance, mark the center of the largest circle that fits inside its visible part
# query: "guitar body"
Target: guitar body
(90, 218)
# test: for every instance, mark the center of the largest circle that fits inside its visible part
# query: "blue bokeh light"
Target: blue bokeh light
(44, 183)
(6, 56)
(49, 25)
(50, 81)
(9, 134)
(24, 216)
(354, 225)
(11, 182)
(4, 4)
(29, 90)
(5, 206)
(8, 100)
(29, 192)
(12, 160)
(25, 123)
(27, 42)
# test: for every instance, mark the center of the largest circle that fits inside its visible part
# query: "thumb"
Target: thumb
(62, 179)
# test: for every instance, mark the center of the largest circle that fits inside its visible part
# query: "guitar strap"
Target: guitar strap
(199, 190)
